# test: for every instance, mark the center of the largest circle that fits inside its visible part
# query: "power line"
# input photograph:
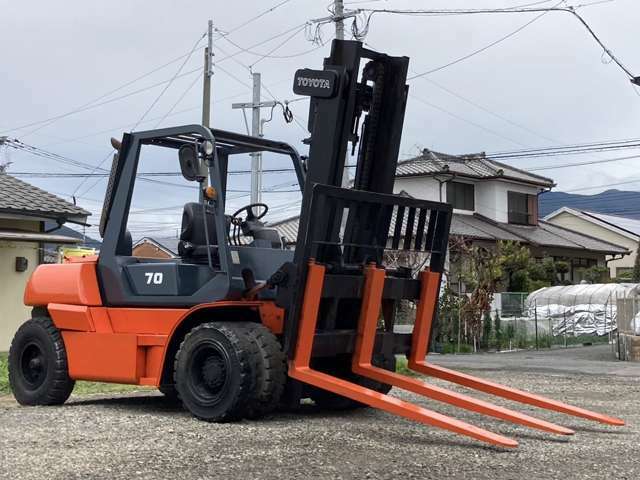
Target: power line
(577, 164)
(170, 111)
(153, 104)
(117, 89)
(252, 19)
(486, 110)
(599, 143)
(556, 8)
(111, 100)
(470, 122)
(615, 184)
(479, 50)
(562, 152)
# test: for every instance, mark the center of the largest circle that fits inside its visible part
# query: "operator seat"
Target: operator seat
(193, 237)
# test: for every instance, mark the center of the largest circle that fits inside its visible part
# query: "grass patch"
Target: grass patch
(84, 388)
(4, 375)
(81, 388)
(402, 368)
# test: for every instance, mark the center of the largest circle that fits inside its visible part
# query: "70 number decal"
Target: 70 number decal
(154, 278)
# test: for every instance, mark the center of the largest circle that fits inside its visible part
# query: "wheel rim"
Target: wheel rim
(208, 379)
(33, 365)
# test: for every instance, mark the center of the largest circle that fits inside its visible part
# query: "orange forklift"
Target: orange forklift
(238, 325)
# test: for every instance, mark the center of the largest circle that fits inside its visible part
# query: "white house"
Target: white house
(493, 201)
(25, 212)
(619, 230)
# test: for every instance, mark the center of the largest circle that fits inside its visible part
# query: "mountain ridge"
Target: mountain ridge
(624, 203)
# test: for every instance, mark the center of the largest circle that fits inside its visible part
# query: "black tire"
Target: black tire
(271, 371)
(38, 369)
(214, 373)
(341, 367)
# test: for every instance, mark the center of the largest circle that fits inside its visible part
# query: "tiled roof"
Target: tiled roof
(471, 166)
(20, 197)
(287, 228)
(481, 228)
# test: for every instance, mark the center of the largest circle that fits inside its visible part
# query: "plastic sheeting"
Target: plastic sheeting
(581, 309)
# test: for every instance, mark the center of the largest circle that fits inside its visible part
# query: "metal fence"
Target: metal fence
(513, 324)
(627, 339)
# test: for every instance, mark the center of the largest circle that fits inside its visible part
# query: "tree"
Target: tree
(636, 266)
(486, 329)
(481, 271)
(515, 260)
(595, 274)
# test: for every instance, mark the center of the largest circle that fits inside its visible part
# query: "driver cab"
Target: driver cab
(219, 255)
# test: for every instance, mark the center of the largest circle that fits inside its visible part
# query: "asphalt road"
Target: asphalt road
(140, 436)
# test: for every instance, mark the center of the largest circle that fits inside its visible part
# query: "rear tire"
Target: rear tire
(341, 368)
(38, 368)
(270, 368)
(214, 373)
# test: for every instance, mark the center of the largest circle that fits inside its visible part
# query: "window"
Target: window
(461, 195)
(522, 208)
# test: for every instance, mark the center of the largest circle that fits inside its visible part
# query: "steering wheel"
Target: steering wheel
(236, 221)
(250, 214)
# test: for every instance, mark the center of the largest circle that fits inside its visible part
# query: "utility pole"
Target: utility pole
(338, 13)
(256, 131)
(208, 73)
(338, 19)
(206, 90)
(256, 158)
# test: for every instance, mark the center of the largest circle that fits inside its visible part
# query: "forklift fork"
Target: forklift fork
(367, 326)
(300, 369)
(430, 284)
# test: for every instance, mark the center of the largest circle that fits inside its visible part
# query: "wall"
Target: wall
(425, 188)
(12, 311)
(574, 222)
(492, 198)
(149, 250)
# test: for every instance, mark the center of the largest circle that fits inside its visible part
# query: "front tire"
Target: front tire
(38, 368)
(214, 372)
(271, 371)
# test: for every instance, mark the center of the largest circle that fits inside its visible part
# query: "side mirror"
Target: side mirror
(190, 164)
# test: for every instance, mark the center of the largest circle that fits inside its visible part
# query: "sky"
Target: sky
(548, 84)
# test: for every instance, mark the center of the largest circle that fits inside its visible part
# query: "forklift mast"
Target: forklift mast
(357, 108)
(340, 97)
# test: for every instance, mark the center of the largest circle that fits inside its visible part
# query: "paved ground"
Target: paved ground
(139, 436)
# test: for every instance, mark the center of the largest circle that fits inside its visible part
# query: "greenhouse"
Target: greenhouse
(590, 309)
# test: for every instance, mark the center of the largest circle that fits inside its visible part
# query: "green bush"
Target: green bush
(497, 328)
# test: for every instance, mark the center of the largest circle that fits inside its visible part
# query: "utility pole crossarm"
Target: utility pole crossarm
(269, 104)
(256, 131)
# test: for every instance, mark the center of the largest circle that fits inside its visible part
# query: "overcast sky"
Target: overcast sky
(550, 79)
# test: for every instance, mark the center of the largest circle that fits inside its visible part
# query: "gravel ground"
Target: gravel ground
(137, 435)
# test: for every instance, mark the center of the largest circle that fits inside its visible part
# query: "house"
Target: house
(163, 247)
(493, 201)
(615, 229)
(24, 211)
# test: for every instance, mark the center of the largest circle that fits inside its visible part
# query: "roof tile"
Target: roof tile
(21, 197)
(473, 166)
